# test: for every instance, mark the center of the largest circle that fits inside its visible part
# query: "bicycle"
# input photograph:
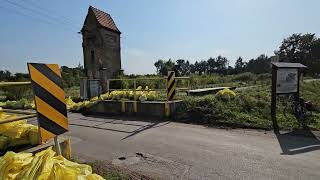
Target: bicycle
(299, 107)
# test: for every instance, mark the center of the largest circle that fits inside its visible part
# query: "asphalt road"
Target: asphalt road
(170, 150)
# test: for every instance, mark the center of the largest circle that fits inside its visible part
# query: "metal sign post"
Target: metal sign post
(285, 80)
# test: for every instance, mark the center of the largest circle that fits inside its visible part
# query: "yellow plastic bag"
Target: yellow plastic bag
(44, 165)
(34, 136)
(12, 163)
(64, 168)
(37, 165)
(7, 126)
(225, 93)
(18, 131)
(4, 142)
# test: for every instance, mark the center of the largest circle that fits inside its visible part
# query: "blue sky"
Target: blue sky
(152, 30)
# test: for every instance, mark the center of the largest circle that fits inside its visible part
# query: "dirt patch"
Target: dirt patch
(110, 171)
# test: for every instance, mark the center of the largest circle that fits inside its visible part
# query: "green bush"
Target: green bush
(17, 92)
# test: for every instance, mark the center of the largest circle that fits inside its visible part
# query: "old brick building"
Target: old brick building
(101, 45)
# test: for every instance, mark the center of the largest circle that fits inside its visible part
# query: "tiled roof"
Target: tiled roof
(104, 19)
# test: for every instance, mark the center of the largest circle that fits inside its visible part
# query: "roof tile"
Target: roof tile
(105, 19)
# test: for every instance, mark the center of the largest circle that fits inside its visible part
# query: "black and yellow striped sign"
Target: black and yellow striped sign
(49, 99)
(171, 85)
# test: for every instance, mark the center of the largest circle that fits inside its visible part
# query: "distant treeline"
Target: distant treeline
(298, 48)
(70, 76)
(218, 65)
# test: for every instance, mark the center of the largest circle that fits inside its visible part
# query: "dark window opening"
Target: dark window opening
(92, 56)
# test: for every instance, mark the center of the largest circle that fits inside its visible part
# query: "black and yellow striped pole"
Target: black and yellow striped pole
(171, 85)
(171, 91)
(49, 99)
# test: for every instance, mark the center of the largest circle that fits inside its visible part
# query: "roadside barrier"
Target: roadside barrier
(170, 84)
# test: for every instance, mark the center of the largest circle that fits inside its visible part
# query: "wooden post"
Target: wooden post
(274, 98)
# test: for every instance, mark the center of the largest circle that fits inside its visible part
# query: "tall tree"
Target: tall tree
(164, 66)
(182, 67)
(239, 65)
(159, 64)
(212, 65)
(259, 65)
(301, 48)
(222, 64)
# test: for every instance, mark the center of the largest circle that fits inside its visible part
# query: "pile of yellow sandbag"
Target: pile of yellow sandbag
(225, 94)
(17, 133)
(43, 165)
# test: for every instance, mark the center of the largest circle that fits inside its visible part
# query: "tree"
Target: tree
(182, 67)
(21, 77)
(164, 66)
(159, 65)
(5, 75)
(71, 76)
(202, 67)
(259, 65)
(301, 48)
(239, 65)
(221, 64)
(199, 67)
(212, 65)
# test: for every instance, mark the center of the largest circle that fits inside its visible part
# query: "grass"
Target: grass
(73, 92)
(250, 108)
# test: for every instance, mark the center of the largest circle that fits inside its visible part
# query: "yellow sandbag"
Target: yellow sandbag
(4, 142)
(225, 93)
(18, 131)
(1, 113)
(18, 142)
(6, 126)
(12, 163)
(44, 165)
(36, 167)
(64, 168)
(34, 136)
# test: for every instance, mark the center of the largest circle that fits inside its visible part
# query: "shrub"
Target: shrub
(17, 92)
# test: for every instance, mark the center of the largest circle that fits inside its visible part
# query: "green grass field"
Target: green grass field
(249, 108)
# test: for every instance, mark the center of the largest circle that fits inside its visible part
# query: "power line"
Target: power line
(50, 12)
(43, 15)
(23, 14)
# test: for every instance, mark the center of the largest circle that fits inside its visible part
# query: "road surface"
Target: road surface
(170, 150)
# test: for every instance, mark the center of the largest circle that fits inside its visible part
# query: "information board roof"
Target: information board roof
(288, 65)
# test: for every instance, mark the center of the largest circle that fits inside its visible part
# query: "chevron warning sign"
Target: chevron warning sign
(171, 85)
(49, 99)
